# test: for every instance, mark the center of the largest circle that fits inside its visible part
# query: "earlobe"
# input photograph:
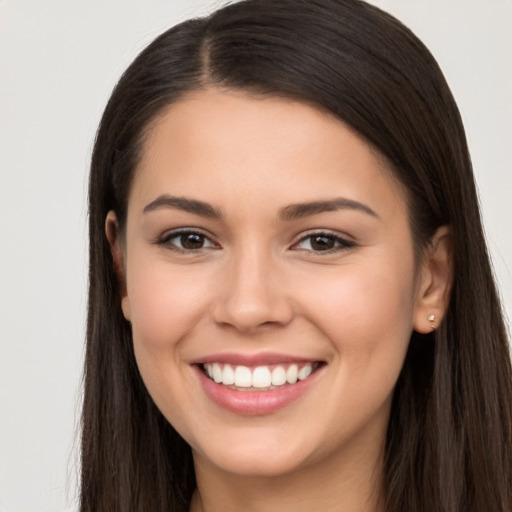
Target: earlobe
(435, 282)
(125, 306)
(112, 232)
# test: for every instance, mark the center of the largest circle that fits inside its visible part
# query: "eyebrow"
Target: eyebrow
(288, 213)
(299, 210)
(185, 204)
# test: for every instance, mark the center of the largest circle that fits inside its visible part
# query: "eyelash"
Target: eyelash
(166, 240)
(341, 244)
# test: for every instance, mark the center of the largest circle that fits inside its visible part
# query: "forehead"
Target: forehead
(216, 145)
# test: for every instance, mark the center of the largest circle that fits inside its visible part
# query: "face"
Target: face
(270, 282)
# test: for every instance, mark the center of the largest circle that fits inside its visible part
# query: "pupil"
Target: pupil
(192, 241)
(322, 243)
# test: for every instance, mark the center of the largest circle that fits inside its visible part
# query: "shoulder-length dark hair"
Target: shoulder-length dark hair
(449, 440)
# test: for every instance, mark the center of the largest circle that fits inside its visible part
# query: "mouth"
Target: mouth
(257, 384)
(258, 378)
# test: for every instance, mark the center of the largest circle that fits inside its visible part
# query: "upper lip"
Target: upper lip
(261, 359)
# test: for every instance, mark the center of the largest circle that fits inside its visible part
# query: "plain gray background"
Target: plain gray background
(58, 63)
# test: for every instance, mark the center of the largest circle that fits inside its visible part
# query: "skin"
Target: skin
(259, 285)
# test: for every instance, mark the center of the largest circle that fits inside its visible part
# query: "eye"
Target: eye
(323, 242)
(186, 241)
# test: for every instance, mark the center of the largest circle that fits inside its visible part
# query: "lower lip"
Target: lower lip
(254, 402)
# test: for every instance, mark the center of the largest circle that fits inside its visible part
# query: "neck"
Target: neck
(355, 484)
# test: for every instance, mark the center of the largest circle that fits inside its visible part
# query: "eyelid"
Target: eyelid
(344, 242)
(164, 239)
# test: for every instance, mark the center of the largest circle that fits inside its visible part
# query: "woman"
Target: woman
(291, 304)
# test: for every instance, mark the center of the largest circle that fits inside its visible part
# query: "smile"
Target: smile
(259, 378)
(256, 385)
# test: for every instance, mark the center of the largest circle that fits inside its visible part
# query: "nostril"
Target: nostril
(254, 314)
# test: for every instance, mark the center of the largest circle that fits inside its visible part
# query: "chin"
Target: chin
(258, 466)
(259, 456)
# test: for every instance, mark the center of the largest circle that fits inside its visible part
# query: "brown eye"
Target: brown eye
(183, 241)
(192, 241)
(322, 243)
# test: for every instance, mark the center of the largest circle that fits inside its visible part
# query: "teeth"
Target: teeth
(278, 376)
(243, 377)
(305, 372)
(228, 375)
(260, 377)
(217, 373)
(292, 374)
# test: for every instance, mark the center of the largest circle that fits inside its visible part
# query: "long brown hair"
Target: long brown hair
(449, 443)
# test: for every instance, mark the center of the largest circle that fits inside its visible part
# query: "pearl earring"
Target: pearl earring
(432, 318)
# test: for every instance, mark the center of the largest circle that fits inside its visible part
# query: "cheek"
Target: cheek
(366, 311)
(365, 292)
(368, 319)
(378, 302)
(165, 303)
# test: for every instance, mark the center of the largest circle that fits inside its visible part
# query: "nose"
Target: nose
(253, 293)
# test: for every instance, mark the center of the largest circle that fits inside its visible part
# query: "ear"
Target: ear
(116, 248)
(434, 282)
